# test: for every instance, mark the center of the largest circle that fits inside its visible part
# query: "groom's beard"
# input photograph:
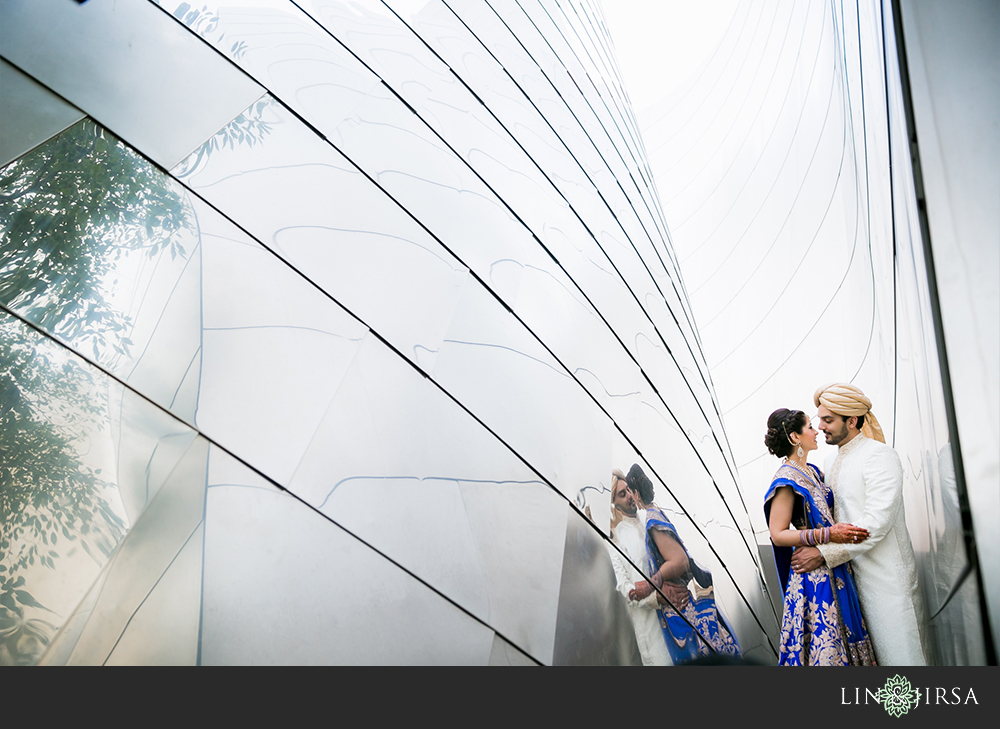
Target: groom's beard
(836, 437)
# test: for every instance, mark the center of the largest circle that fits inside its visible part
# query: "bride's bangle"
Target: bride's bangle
(812, 537)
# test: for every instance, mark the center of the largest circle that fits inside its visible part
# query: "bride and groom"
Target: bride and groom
(670, 597)
(841, 546)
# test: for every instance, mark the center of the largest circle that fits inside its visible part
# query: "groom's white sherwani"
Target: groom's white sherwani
(630, 535)
(867, 481)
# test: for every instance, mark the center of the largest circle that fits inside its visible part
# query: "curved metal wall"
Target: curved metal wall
(325, 324)
(785, 173)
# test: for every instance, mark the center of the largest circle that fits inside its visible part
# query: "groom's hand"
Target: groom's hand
(678, 595)
(806, 559)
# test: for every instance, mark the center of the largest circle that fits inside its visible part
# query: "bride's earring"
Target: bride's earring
(800, 453)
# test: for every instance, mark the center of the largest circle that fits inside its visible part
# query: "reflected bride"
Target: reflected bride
(692, 624)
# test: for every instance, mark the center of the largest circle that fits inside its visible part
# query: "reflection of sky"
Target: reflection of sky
(768, 138)
(754, 136)
(659, 44)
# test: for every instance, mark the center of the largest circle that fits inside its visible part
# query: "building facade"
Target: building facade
(322, 328)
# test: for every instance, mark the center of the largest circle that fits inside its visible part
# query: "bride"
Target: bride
(821, 624)
(692, 626)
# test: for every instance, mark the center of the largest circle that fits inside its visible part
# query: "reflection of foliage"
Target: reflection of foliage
(248, 128)
(48, 499)
(204, 22)
(68, 210)
(22, 640)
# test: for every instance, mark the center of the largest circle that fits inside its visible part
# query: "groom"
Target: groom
(867, 481)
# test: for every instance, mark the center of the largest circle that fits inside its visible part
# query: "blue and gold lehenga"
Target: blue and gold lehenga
(700, 612)
(821, 624)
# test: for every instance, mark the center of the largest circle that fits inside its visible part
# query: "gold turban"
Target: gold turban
(616, 473)
(616, 516)
(847, 400)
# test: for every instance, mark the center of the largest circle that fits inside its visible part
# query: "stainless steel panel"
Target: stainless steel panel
(321, 80)
(593, 626)
(149, 603)
(29, 113)
(303, 199)
(455, 506)
(952, 59)
(268, 351)
(119, 278)
(130, 67)
(149, 444)
(532, 404)
(381, 135)
(164, 630)
(274, 350)
(491, 83)
(102, 454)
(275, 571)
(505, 654)
(172, 298)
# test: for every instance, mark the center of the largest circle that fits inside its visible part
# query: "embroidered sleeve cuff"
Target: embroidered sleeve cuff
(649, 601)
(834, 554)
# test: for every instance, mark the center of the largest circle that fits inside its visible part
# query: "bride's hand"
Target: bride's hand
(847, 534)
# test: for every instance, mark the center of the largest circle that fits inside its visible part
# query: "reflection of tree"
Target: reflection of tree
(249, 128)
(69, 210)
(48, 499)
(205, 23)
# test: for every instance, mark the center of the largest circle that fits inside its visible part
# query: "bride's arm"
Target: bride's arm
(782, 504)
(675, 560)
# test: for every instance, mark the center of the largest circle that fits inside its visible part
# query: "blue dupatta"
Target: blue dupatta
(808, 636)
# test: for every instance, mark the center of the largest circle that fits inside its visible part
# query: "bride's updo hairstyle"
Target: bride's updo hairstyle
(780, 425)
(639, 482)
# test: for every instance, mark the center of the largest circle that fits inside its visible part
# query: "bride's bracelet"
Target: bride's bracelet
(810, 537)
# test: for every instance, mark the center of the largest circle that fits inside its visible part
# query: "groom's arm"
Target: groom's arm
(883, 474)
(623, 582)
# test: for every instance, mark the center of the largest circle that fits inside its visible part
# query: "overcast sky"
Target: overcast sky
(660, 43)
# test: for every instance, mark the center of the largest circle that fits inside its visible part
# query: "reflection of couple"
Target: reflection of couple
(644, 533)
(838, 569)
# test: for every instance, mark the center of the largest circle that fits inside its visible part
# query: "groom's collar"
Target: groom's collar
(851, 444)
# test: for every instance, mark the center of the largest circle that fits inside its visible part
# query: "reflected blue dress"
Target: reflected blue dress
(701, 611)
(821, 624)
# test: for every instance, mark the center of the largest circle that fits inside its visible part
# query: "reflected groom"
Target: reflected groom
(628, 532)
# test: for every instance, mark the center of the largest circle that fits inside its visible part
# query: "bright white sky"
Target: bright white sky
(661, 43)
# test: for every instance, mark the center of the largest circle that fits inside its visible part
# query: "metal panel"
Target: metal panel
(593, 626)
(953, 57)
(29, 113)
(283, 585)
(148, 607)
(399, 464)
(129, 66)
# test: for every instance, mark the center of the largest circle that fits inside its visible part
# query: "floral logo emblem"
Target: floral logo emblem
(897, 696)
